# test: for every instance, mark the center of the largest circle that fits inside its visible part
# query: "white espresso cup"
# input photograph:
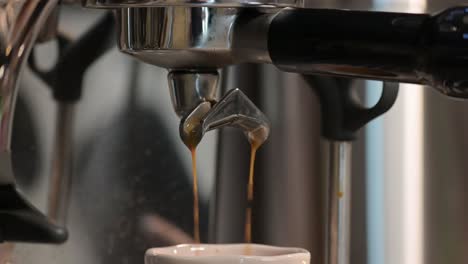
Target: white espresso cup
(226, 254)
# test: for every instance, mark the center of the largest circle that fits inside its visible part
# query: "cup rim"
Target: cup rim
(284, 252)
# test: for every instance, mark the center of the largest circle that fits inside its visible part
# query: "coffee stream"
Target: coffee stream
(256, 139)
(192, 146)
(191, 137)
(250, 195)
(196, 210)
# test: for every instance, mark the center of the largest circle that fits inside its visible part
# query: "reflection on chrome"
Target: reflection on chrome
(21, 22)
(210, 3)
(21, 25)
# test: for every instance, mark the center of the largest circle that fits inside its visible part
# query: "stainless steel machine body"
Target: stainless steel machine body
(187, 38)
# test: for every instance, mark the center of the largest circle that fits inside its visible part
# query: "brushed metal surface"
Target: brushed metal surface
(205, 3)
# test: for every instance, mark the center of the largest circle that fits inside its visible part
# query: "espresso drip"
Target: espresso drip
(250, 196)
(196, 210)
(191, 134)
(256, 138)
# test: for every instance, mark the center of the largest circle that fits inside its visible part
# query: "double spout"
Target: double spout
(194, 99)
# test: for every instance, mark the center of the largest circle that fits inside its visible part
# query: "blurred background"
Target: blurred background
(132, 175)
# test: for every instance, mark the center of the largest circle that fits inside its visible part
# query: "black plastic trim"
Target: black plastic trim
(342, 116)
(21, 221)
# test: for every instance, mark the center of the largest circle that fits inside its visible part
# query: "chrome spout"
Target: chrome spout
(233, 110)
(236, 110)
(192, 95)
(189, 89)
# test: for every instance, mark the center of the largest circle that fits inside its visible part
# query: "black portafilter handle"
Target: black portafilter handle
(401, 47)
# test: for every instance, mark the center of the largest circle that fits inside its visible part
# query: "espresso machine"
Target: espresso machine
(110, 193)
